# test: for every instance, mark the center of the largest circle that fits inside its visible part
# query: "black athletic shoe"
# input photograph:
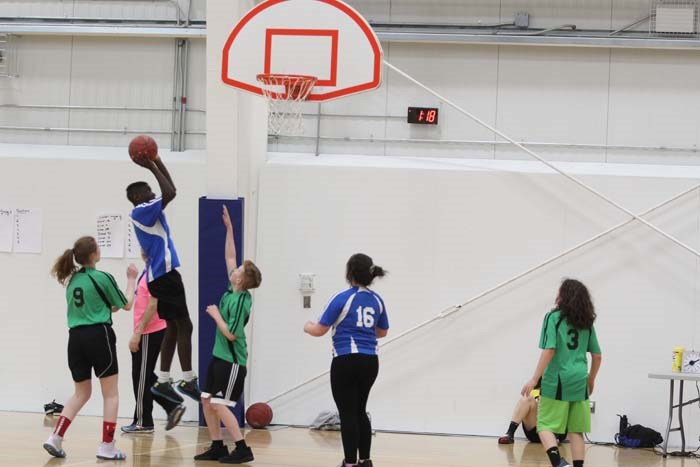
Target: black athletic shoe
(214, 453)
(238, 456)
(367, 463)
(53, 408)
(190, 389)
(174, 417)
(166, 390)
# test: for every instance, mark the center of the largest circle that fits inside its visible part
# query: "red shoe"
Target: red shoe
(507, 439)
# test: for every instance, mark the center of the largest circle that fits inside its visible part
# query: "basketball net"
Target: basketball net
(285, 93)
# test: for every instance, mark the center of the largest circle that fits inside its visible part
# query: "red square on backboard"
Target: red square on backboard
(331, 33)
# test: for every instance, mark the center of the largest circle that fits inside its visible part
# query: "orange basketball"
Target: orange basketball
(143, 147)
(259, 415)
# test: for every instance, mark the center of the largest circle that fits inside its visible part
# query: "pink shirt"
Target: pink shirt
(140, 304)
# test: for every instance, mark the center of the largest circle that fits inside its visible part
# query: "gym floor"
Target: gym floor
(23, 434)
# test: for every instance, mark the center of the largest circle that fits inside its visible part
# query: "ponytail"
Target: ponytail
(361, 270)
(377, 271)
(65, 267)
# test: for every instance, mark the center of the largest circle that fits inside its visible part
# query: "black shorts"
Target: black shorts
(531, 434)
(224, 383)
(533, 437)
(170, 292)
(89, 347)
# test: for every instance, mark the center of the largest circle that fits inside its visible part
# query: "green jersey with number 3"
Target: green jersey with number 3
(91, 294)
(566, 376)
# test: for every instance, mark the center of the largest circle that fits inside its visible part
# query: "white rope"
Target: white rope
(453, 309)
(544, 161)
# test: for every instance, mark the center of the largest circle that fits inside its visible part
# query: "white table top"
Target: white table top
(677, 376)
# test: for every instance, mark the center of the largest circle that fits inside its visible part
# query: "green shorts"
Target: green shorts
(560, 416)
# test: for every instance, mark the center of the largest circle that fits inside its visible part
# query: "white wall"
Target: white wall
(128, 73)
(103, 9)
(447, 230)
(612, 99)
(71, 185)
(595, 14)
(444, 234)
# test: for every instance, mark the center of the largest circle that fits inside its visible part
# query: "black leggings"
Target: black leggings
(178, 333)
(352, 377)
(143, 363)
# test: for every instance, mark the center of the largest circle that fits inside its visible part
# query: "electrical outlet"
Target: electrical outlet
(522, 20)
(592, 404)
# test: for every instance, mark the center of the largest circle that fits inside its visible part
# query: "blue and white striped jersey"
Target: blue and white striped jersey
(153, 233)
(354, 315)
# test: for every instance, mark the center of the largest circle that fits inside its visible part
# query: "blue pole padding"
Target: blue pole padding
(213, 279)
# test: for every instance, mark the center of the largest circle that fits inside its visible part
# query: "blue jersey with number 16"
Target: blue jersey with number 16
(354, 315)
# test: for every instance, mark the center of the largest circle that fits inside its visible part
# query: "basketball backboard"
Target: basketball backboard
(327, 39)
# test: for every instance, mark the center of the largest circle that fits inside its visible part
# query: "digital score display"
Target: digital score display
(423, 115)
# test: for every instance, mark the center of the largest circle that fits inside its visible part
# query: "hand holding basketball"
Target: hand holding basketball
(143, 150)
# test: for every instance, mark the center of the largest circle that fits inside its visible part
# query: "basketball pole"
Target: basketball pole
(455, 308)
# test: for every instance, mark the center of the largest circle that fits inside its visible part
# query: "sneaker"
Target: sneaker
(365, 463)
(190, 389)
(563, 463)
(238, 456)
(53, 408)
(174, 417)
(214, 453)
(137, 429)
(53, 446)
(109, 452)
(507, 439)
(166, 391)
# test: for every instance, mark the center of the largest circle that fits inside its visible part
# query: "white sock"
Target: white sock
(188, 375)
(164, 377)
(55, 439)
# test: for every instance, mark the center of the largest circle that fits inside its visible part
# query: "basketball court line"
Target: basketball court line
(149, 452)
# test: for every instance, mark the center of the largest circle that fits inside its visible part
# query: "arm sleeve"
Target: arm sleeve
(111, 289)
(383, 321)
(593, 346)
(548, 336)
(148, 213)
(238, 319)
(332, 311)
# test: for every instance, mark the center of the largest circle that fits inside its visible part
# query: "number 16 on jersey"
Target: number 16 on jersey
(365, 317)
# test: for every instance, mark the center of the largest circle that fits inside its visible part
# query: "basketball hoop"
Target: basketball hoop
(285, 93)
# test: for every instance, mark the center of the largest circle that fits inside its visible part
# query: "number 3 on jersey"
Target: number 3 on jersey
(365, 317)
(573, 334)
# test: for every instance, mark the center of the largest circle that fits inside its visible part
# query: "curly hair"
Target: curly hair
(575, 304)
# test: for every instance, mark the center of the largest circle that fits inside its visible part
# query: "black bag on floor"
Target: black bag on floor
(637, 436)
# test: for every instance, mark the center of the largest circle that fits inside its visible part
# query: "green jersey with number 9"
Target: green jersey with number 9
(91, 294)
(566, 376)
